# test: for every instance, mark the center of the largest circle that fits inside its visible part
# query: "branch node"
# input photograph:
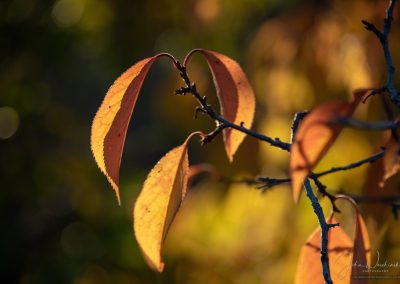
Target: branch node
(333, 225)
(182, 91)
(197, 110)
(210, 136)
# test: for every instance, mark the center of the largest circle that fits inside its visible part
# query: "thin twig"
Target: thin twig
(383, 38)
(267, 182)
(298, 117)
(276, 181)
(355, 123)
(374, 199)
(220, 121)
(370, 159)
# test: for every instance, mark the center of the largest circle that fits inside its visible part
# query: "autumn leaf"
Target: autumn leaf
(315, 135)
(361, 259)
(347, 259)
(340, 251)
(112, 118)
(391, 160)
(235, 95)
(159, 201)
(362, 251)
(381, 180)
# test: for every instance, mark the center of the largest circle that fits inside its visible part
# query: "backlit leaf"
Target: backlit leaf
(315, 136)
(347, 259)
(391, 158)
(235, 95)
(112, 118)
(159, 201)
(362, 251)
(340, 252)
(376, 186)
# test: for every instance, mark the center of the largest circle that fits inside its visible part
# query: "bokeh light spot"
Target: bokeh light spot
(207, 10)
(66, 13)
(9, 122)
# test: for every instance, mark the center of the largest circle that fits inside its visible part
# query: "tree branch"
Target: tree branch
(370, 159)
(298, 117)
(374, 199)
(270, 182)
(322, 189)
(324, 231)
(355, 123)
(220, 121)
(383, 38)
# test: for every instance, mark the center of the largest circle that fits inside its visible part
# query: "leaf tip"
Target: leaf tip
(230, 156)
(116, 189)
(296, 194)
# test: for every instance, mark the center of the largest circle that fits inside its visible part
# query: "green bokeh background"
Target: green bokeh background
(60, 222)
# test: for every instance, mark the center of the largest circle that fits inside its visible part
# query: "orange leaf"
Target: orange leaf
(340, 251)
(362, 251)
(159, 201)
(347, 259)
(391, 159)
(315, 136)
(235, 96)
(112, 118)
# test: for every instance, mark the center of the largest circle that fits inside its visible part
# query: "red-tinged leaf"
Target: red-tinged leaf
(362, 252)
(112, 118)
(361, 259)
(235, 95)
(158, 203)
(348, 260)
(315, 136)
(340, 252)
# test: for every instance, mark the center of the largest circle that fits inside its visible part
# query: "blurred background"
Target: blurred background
(60, 222)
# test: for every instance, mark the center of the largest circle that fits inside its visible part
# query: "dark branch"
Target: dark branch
(355, 123)
(295, 123)
(395, 210)
(383, 38)
(370, 159)
(324, 231)
(374, 199)
(269, 182)
(322, 189)
(220, 121)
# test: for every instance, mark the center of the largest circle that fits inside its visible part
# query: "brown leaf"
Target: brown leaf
(347, 259)
(235, 95)
(391, 159)
(362, 251)
(340, 251)
(377, 186)
(315, 136)
(112, 118)
(159, 201)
